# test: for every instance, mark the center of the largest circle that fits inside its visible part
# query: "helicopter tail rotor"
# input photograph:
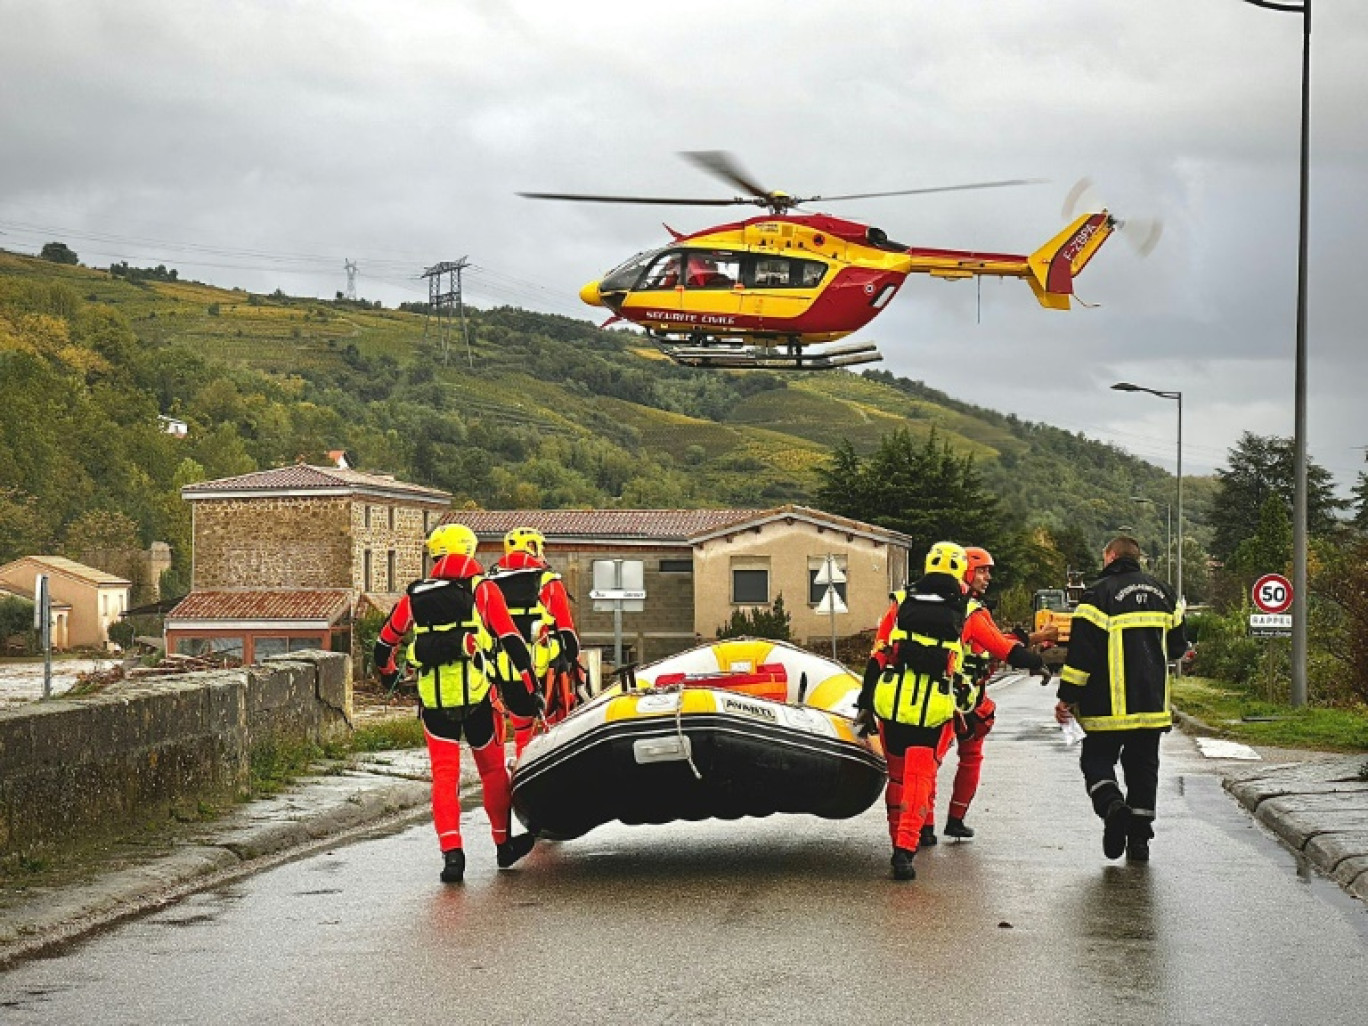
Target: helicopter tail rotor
(1142, 234)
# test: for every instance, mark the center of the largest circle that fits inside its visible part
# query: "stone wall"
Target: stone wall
(273, 542)
(395, 527)
(80, 770)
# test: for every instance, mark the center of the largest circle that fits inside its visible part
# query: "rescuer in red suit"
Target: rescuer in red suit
(984, 645)
(455, 617)
(540, 607)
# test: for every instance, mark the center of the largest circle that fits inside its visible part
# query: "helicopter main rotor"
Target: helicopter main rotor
(722, 165)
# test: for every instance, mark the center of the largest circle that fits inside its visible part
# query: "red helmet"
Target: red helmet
(977, 557)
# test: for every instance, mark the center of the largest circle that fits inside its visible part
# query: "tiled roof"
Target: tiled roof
(677, 525)
(10, 590)
(302, 477)
(262, 605)
(638, 524)
(89, 574)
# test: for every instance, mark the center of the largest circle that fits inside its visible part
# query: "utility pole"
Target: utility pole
(444, 299)
(350, 266)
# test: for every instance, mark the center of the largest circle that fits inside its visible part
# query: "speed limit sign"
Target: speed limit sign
(1272, 593)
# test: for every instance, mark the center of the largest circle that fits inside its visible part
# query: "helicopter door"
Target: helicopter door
(711, 293)
(779, 288)
(657, 300)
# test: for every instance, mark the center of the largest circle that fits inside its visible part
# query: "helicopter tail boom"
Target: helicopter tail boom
(1055, 265)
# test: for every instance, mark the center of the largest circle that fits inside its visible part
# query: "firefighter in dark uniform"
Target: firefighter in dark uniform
(455, 617)
(1126, 629)
(908, 692)
(540, 607)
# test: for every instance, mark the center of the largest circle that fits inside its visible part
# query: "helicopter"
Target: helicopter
(773, 291)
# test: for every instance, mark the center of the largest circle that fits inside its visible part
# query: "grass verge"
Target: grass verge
(1244, 717)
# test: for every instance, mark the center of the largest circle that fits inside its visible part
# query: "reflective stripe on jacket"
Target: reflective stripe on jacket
(1127, 627)
(916, 686)
(449, 640)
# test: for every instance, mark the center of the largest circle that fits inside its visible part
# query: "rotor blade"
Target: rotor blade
(723, 165)
(1143, 233)
(673, 201)
(1073, 201)
(936, 188)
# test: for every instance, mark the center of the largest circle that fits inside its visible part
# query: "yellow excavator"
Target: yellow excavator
(1055, 606)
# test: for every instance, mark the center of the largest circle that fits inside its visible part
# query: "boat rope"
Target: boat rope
(679, 732)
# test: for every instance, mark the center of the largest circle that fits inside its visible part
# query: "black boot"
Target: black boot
(955, 827)
(902, 864)
(1116, 829)
(927, 838)
(510, 851)
(1137, 849)
(454, 869)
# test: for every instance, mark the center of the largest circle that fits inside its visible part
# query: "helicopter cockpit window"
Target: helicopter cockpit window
(664, 273)
(712, 270)
(625, 275)
(786, 273)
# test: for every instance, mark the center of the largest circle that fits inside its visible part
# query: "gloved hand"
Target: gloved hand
(864, 722)
(1044, 673)
(388, 676)
(1020, 634)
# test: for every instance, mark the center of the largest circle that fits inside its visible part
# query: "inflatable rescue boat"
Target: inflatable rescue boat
(744, 727)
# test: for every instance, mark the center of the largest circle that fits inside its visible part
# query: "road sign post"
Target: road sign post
(619, 584)
(1272, 597)
(42, 623)
(831, 575)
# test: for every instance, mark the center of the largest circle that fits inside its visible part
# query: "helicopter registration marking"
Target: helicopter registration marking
(1080, 240)
(688, 318)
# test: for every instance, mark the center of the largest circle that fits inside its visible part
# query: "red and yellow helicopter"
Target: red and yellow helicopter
(760, 292)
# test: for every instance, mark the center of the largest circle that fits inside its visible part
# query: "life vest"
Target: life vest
(522, 594)
(918, 685)
(448, 643)
(974, 669)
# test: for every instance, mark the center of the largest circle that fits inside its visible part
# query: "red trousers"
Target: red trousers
(914, 755)
(445, 754)
(969, 761)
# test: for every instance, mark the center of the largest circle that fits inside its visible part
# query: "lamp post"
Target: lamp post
(1299, 496)
(1168, 544)
(1126, 386)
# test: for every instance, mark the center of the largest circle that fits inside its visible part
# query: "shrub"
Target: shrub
(1224, 649)
(759, 622)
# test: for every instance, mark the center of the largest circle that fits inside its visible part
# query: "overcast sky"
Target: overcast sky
(260, 143)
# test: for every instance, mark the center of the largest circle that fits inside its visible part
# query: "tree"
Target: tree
(1261, 466)
(925, 491)
(58, 253)
(1360, 501)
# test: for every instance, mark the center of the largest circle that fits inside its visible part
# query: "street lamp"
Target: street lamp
(1299, 496)
(1126, 386)
(1168, 545)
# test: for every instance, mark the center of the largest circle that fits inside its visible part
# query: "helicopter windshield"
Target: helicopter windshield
(624, 276)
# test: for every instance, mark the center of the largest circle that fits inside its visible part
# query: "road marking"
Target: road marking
(1216, 748)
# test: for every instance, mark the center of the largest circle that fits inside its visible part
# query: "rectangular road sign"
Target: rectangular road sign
(610, 594)
(1270, 625)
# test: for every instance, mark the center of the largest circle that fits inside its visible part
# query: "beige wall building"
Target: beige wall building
(699, 566)
(281, 557)
(94, 598)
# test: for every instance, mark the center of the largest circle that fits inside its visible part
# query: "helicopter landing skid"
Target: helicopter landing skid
(755, 357)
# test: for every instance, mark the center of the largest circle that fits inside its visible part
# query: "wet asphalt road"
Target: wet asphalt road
(785, 920)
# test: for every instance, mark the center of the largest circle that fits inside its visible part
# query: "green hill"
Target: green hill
(542, 411)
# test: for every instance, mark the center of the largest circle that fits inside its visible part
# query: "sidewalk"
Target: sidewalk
(1316, 802)
(382, 790)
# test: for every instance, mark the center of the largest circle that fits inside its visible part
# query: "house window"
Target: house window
(367, 571)
(391, 517)
(817, 591)
(676, 566)
(264, 648)
(392, 569)
(368, 515)
(750, 586)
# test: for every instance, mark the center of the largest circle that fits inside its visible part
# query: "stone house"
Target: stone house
(698, 566)
(282, 558)
(92, 598)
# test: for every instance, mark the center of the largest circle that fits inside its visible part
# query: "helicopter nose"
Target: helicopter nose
(591, 295)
